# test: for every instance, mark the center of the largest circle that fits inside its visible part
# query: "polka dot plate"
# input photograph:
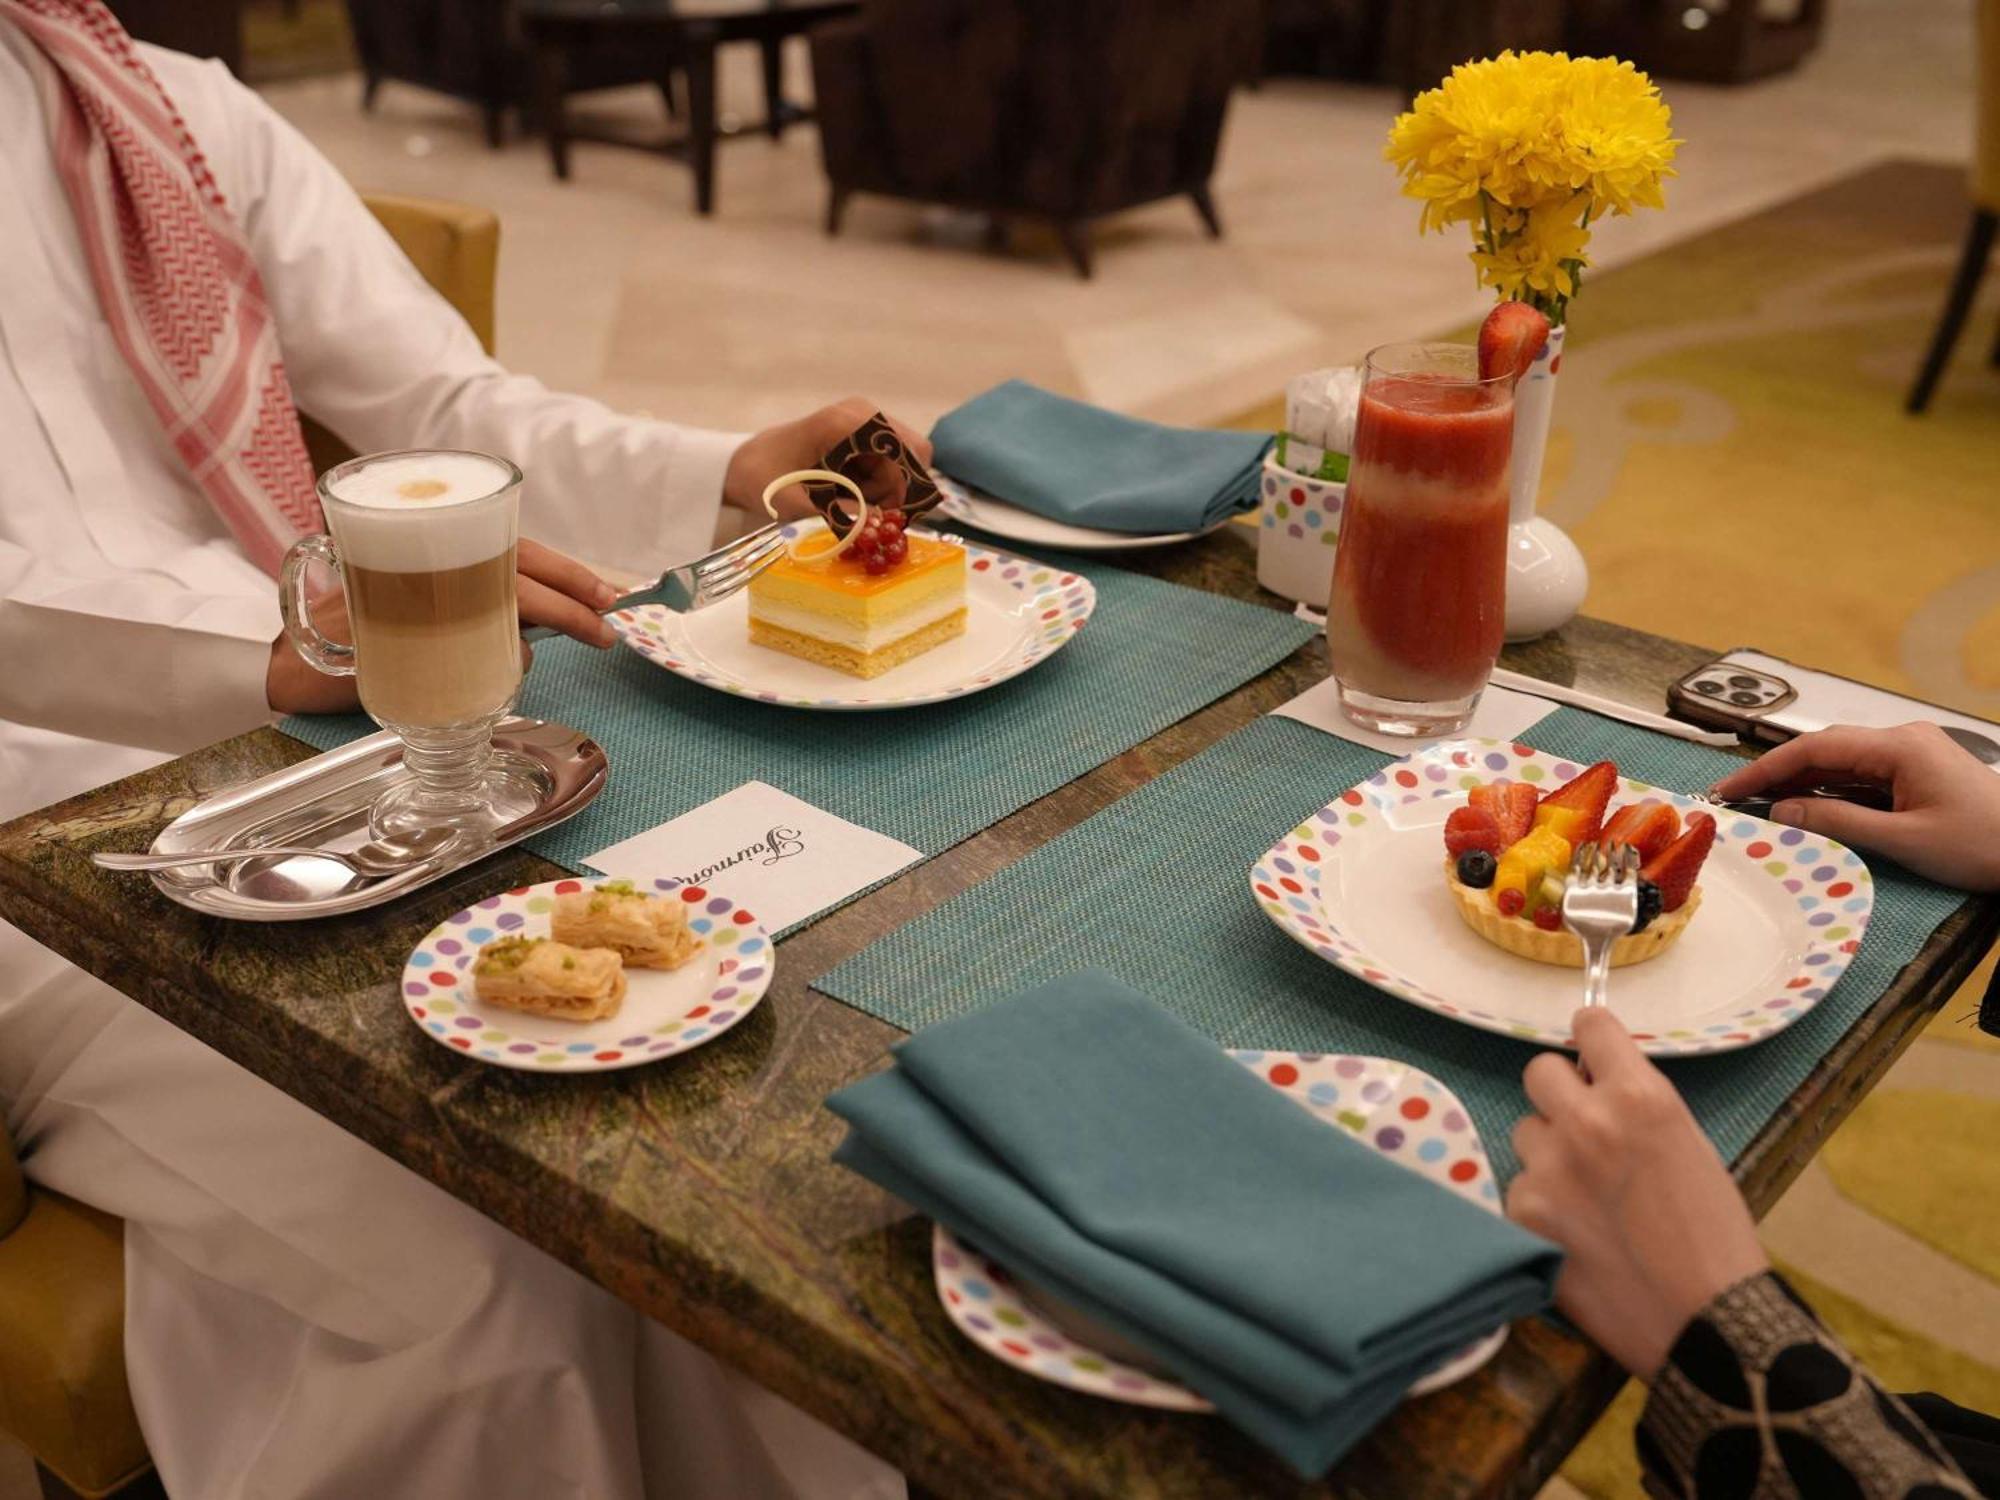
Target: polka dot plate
(1018, 614)
(975, 508)
(1400, 1111)
(666, 1011)
(1361, 884)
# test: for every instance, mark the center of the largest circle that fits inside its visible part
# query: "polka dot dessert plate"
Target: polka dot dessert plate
(1400, 1111)
(975, 508)
(1361, 884)
(665, 1011)
(1018, 614)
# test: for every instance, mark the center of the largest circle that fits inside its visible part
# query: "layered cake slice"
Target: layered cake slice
(893, 596)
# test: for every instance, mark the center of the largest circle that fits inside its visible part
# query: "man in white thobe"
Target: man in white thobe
(305, 1317)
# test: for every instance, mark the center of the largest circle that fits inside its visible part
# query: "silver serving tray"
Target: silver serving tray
(324, 802)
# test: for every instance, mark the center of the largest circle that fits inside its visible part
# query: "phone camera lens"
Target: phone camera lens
(1746, 699)
(1708, 685)
(1745, 682)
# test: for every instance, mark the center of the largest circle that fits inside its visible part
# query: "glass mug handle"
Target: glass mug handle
(328, 656)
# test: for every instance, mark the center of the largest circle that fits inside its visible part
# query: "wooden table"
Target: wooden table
(701, 1191)
(688, 32)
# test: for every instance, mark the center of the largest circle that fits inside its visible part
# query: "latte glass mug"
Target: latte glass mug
(424, 544)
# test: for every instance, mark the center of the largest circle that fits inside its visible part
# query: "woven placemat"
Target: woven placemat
(1156, 889)
(1151, 655)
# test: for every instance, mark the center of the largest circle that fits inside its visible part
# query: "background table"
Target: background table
(688, 32)
(700, 1190)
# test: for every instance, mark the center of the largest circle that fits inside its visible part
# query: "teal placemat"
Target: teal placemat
(1156, 889)
(1151, 655)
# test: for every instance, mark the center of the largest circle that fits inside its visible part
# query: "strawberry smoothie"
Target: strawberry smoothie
(1419, 585)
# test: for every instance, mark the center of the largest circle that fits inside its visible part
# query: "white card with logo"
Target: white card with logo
(763, 848)
(1501, 715)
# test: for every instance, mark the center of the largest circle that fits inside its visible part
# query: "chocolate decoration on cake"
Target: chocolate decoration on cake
(855, 457)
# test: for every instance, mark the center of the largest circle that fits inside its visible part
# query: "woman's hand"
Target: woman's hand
(1946, 819)
(803, 444)
(1615, 1170)
(550, 589)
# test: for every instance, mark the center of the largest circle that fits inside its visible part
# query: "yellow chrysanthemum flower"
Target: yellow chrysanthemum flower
(1529, 148)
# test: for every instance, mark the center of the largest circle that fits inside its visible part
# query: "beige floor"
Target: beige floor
(612, 285)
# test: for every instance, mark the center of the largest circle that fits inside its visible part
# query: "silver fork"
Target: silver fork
(1599, 905)
(698, 584)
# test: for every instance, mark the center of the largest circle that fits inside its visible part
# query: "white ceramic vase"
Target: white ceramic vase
(1546, 574)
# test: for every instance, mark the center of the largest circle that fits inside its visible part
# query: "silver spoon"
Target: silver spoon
(389, 855)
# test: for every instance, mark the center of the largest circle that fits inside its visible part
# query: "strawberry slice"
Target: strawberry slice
(1510, 338)
(1471, 828)
(1674, 869)
(1577, 810)
(1647, 826)
(1511, 805)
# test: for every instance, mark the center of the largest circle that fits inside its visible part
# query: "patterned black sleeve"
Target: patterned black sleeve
(1758, 1402)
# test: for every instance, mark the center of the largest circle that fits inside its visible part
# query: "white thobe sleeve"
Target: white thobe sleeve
(191, 664)
(385, 362)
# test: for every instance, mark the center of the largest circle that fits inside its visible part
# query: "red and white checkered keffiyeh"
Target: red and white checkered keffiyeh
(174, 274)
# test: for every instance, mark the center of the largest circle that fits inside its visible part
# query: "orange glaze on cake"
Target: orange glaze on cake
(834, 612)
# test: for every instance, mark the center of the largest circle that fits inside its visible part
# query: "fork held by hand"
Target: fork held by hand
(1600, 905)
(705, 581)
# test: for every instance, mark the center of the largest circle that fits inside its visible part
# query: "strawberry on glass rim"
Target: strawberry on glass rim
(1509, 340)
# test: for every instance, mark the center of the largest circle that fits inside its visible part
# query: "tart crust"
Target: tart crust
(1565, 949)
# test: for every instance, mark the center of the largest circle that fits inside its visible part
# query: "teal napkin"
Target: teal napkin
(1090, 467)
(1102, 1150)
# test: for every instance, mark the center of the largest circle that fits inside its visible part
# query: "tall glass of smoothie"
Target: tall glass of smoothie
(1419, 581)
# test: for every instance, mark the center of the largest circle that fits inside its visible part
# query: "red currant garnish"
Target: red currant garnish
(877, 565)
(895, 549)
(1510, 902)
(1548, 918)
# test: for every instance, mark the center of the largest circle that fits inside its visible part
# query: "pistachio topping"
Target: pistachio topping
(504, 955)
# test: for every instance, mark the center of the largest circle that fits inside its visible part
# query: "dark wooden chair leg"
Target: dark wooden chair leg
(370, 82)
(1075, 236)
(699, 60)
(836, 208)
(1964, 286)
(772, 49)
(670, 96)
(1204, 205)
(551, 84)
(996, 232)
(1996, 348)
(496, 124)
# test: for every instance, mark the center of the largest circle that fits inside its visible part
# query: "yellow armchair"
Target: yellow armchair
(1985, 212)
(63, 1392)
(456, 248)
(62, 1336)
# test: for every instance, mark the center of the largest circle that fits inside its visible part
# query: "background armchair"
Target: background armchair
(473, 49)
(1064, 109)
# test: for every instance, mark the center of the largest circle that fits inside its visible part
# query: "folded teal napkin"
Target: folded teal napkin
(1090, 467)
(1102, 1150)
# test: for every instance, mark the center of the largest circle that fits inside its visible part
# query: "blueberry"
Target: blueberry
(1476, 867)
(1649, 906)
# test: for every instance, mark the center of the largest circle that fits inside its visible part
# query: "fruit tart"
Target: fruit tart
(1508, 853)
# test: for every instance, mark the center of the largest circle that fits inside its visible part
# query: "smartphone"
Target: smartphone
(1767, 699)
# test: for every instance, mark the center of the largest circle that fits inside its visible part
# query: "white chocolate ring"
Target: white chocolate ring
(800, 476)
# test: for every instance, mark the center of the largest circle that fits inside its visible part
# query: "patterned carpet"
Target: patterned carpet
(1731, 453)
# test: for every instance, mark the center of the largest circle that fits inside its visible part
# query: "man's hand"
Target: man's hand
(803, 444)
(551, 589)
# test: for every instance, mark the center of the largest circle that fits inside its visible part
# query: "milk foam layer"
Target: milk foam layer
(422, 512)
